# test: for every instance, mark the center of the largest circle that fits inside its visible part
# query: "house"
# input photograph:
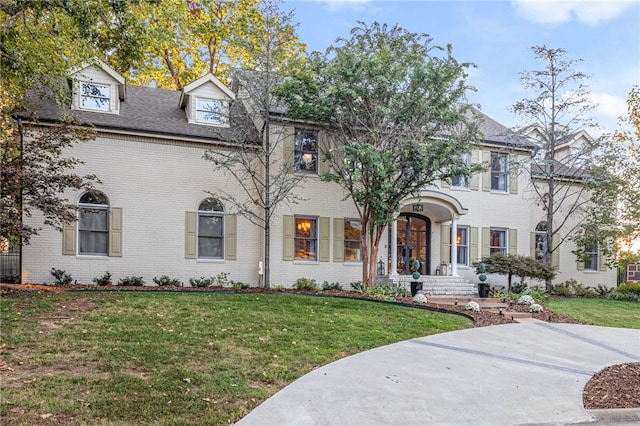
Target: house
(156, 211)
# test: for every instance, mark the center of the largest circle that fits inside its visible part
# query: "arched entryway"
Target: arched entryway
(413, 242)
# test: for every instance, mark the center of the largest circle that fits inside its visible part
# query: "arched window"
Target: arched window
(210, 229)
(93, 224)
(542, 242)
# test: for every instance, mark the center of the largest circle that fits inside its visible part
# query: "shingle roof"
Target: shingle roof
(497, 133)
(156, 111)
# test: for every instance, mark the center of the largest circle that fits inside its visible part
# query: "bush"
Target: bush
(201, 282)
(104, 279)
(629, 292)
(603, 290)
(134, 281)
(629, 288)
(537, 293)
(525, 300)
(164, 280)
(586, 292)
(401, 291)
(332, 286)
(472, 306)
(519, 288)
(357, 286)
(61, 276)
(420, 298)
(627, 297)
(278, 287)
(535, 308)
(222, 279)
(306, 284)
(239, 285)
(382, 292)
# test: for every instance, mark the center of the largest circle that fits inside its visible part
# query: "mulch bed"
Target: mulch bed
(617, 386)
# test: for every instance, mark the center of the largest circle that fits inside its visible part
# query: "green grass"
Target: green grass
(179, 358)
(604, 312)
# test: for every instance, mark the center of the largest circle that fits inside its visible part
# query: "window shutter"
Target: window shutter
(325, 241)
(580, 266)
(602, 261)
(338, 239)
(115, 232)
(445, 243)
(473, 256)
(475, 178)
(555, 256)
(288, 225)
(486, 236)
(288, 154)
(230, 236)
(513, 241)
(69, 238)
(513, 181)
(190, 237)
(323, 146)
(532, 244)
(486, 175)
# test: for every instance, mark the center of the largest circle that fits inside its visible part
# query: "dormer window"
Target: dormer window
(210, 111)
(95, 96)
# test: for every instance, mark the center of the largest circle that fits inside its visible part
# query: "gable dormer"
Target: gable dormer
(207, 101)
(97, 87)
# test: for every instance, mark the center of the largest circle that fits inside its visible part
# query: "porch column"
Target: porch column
(393, 244)
(454, 247)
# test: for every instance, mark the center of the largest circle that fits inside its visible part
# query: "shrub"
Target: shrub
(306, 284)
(222, 279)
(603, 290)
(519, 288)
(201, 282)
(357, 286)
(420, 298)
(629, 288)
(381, 292)
(401, 291)
(239, 285)
(525, 300)
(104, 279)
(61, 276)
(278, 287)
(563, 289)
(134, 281)
(472, 306)
(627, 297)
(586, 292)
(332, 286)
(164, 280)
(537, 293)
(535, 308)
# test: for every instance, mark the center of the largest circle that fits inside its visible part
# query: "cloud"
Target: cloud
(557, 12)
(337, 5)
(609, 108)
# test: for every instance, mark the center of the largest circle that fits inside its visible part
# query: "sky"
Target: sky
(497, 36)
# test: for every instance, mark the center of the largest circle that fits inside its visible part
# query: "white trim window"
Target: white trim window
(541, 242)
(352, 240)
(461, 181)
(306, 151)
(93, 224)
(499, 172)
(306, 238)
(210, 229)
(210, 111)
(95, 96)
(591, 250)
(498, 241)
(462, 243)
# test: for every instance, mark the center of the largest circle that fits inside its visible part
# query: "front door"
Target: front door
(413, 242)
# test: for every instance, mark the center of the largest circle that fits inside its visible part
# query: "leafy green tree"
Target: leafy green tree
(513, 264)
(565, 178)
(39, 41)
(271, 44)
(392, 105)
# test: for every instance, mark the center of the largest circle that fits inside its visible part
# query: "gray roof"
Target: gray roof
(156, 111)
(499, 134)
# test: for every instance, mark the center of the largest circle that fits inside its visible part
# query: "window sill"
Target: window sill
(210, 261)
(305, 262)
(460, 188)
(496, 191)
(353, 263)
(92, 256)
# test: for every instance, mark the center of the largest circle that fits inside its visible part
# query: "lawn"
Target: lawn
(107, 358)
(604, 312)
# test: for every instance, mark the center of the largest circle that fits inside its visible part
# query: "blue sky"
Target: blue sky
(497, 35)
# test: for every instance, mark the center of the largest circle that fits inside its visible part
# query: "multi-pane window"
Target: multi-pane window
(497, 241)
(461, 181)
(210, 229)
(462, 242)
(499, 171)
(541, 242)
(95, 96)
(306, 150)
(93, 224)
(352, 241)
(591, 253)
(210, 111)
(306, 238)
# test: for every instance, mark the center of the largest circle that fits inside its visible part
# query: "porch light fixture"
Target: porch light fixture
(380, 267)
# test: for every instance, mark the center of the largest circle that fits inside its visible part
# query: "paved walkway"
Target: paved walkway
(515, 374)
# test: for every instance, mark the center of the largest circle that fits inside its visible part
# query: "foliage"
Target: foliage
(472, 306)
(332, 286)
(629, 288)
(519, 287)
(623, 258)
(222, 279)
(392, 106)
(380, 292)
(202, 282)
(357, 286)
(237, 285)
(134, 280)
(105, 279)
(420, 298)
(525, 300)
(61, 276)
(245, 338)
(562, 289)
(40, 41)
(165, 280)
(627, 297)
(264, 178)
(566, 182)
(537, 293)
(513, 264)
(536, 308)
(571, 288)
(402, 291)
(306, 284)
